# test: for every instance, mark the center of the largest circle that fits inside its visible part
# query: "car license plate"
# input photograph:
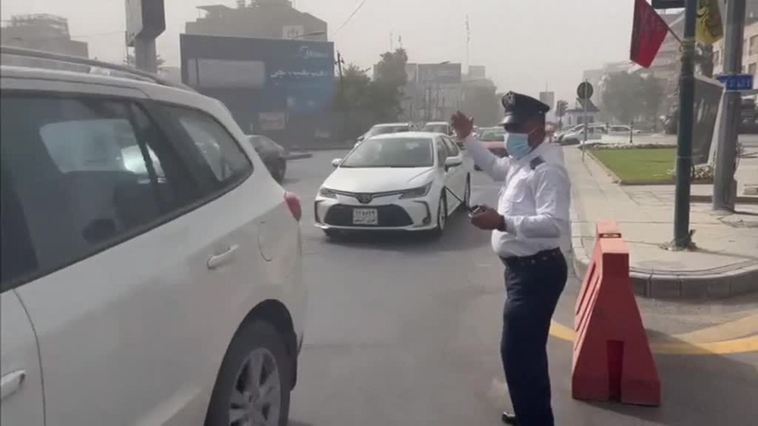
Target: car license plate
(365, 217)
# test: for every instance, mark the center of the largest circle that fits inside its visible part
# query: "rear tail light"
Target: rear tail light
(293, 202)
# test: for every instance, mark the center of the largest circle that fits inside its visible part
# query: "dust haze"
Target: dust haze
(526, 45)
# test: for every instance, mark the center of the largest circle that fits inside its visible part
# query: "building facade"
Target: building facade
(260, 19)
(749, 52)
(270, 64)
(44, 32)
(434, 92)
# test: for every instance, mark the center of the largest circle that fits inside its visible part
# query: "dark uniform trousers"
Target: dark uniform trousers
(533, 285)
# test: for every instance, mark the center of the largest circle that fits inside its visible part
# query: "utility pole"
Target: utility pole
(724, 185)
(468, 42)
(340, 63)
(682, 238)
(145, 21)
(145, 55)
(343, 101)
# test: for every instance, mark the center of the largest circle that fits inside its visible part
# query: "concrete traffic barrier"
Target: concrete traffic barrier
(612, 357)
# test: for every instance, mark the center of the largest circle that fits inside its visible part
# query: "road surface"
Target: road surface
(403, 330)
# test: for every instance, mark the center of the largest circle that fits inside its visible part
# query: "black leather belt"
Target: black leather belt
(543, 256)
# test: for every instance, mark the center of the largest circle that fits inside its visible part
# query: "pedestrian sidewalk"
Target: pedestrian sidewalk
(724, 264)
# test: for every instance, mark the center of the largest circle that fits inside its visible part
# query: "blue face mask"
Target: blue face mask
(517, 145)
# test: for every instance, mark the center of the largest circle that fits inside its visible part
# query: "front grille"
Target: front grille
(389, 216)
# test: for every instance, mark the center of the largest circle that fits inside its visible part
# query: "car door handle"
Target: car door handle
(218, 260)
(11, 383)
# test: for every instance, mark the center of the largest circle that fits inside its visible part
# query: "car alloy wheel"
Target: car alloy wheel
(254, 382)
(256, 397)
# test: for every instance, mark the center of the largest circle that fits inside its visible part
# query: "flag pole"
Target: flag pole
(682, 238)
(679, 39)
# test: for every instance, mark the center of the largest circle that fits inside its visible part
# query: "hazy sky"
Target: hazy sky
(525, 44)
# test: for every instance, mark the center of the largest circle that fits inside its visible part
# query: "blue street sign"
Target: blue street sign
(736, 82)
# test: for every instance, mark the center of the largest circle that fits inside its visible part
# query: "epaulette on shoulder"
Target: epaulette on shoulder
(536, 163)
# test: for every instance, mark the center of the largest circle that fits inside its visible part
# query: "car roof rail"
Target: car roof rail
(122, 70)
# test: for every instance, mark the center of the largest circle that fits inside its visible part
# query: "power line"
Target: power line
(355, 12)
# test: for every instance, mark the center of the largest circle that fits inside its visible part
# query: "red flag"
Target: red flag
(648, 33)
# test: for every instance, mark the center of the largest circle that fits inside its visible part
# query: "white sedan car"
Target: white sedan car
(404, 181)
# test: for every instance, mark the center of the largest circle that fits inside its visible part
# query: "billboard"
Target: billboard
(284, 88)
(439, 73)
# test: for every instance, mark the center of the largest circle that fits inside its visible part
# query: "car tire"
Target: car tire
(280, 170)
(255, 342)
(441, 217)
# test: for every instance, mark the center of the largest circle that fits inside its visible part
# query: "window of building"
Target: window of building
(751, 69)
(754, 45)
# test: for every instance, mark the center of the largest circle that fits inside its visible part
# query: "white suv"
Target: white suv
(151, 267)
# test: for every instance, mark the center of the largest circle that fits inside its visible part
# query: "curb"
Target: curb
(718, 283)
(747, 199)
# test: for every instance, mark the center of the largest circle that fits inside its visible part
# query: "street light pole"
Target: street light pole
(145, 55)
(682, 239)
(724, 186)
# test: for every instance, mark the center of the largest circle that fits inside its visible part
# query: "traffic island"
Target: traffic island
(650, 165)
(723, 263)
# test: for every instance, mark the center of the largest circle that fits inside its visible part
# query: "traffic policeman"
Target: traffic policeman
(528, 226)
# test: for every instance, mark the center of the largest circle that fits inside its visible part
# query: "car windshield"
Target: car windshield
(496, 134)
(391, 152)
(384, 130)
(436, 128)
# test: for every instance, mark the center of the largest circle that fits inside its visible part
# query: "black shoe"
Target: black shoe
(509, 419)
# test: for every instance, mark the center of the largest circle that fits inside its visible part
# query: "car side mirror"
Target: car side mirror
(336, 162)
(360, 138)
(452, 162)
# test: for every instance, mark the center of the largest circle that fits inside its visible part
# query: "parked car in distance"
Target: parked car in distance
(395, 182)
(438, 127)
(575, 136)
(272, 154)
(386, 128)
(494, 139)
(150, 264)
(621, 130)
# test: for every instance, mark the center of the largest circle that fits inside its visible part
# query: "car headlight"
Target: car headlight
(417, 192)
(327, 193)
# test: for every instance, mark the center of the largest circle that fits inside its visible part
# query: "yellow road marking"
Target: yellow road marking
(685, 345)
(742, 327)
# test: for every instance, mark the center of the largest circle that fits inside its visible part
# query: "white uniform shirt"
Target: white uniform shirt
(534, 201)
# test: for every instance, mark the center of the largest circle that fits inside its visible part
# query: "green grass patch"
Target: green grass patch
(643, 166)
